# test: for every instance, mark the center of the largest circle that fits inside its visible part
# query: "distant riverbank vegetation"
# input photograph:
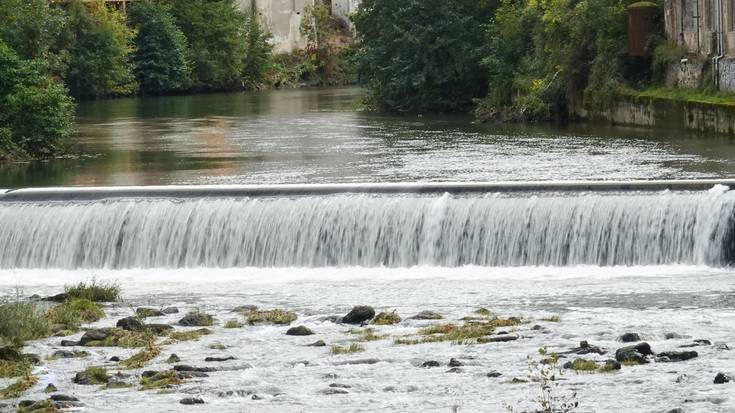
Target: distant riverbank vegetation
(52, 52)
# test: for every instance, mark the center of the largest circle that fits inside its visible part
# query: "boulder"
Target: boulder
(722, 378)
(430, 364)
(455, 363)
(494, 374)
(318, 343)
(672, 356)
(499, 338)
(637, 353)
(299, 331)
(587, 348)
(173, 358)
(191, 400)
(219, 359)
(359, 314)
(130, 324)
(455, 370)
(630, 338)
(95, 334)
(196, 319)
(63, 398)
(187, 368)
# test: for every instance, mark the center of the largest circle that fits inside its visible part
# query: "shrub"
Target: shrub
(36, 114)
(161, 52)
(422, 55)
(33, 29)
(99, 62)
(214, 30)
(258, 51)
(94, 291)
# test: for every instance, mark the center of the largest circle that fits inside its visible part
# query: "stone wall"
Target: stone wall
(666, 113)
(688, 74)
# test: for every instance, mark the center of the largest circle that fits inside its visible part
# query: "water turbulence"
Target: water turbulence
(557, 229)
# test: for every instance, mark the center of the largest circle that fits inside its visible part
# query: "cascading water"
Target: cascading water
(372, 230)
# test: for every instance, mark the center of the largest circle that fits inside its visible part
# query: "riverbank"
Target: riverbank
(673, 109)
(552, 308)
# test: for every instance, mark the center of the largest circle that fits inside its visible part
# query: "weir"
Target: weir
(397, 225)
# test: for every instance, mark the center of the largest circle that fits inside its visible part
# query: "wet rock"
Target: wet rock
(97, 334)
(455, 370)
(499, 338)
(83, 378)
(185, 375)
(356, 362)
(359, 314)
(191, 400)
(493, 374)
(611, 365)
(58, 298)
(63, 398)
(50, 388)
(173, 358)
(10, 354)
(587, 348)
(340, 386)
(219, 359)
(673, 356)
(115, 359)
(430, 364)
(697, 343)
(170, 310)
(427, 315)
(69, 343)
(538, 327)
(195, 319)
(722, 378)
(637, 353)
(673, 336)
(148, 373)
(159, 329)
(331, 391)
(244, 309)
(26, 403)
(723, 347)
(455, 363)
(145, 312)
(318, 343)
(299, 331)
(330, 376)
(130, 324)
(187, 368)
(255, 397)
(682, 378)
(630, 338)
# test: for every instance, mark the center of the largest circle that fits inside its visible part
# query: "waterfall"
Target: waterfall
(549, 229)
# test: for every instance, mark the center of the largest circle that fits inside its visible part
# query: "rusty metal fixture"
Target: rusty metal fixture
(640, 25)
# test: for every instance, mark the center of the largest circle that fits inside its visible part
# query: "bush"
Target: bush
(215, 31)
(36, 114)
(422, 55)
(33, 28)
(99, 62)
(258, 51)
(161, 52)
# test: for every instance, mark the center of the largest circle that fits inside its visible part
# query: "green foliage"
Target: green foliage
(94, 291)
(97, 375)
(138, 360)
(328, 39)
(545, 54)
(161, 50)
(36, 113)
(99, 56)
(289, 69)
(160, 380)
(422, 55)
(33, 28)
(352, 348)
(258, 51)
(21, 321)
(276, 316)
(74, 312)
(16, 389)
(215, 31)
(387, 318)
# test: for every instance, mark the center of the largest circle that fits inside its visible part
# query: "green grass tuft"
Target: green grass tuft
(276, 316)
(367, 334)
(385, 319)
(21, 321)
(584, 365)
(234, 324)
(94, 291)
(353, 348)
(161, 380)
(190, 335)
(138, 360)
(74, 312)
(16, 368)
(16, 389)
(552, 319)
(123, 338)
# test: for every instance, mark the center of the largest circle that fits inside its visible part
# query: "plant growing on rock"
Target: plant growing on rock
(276, 316)
(100, 292)
(139, 359)
(387, 318)
(160, 380)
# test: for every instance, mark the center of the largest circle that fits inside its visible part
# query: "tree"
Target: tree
(422, 55)
(258, 51)
(161, 52)
(99, 55)
(36, 113)
(215, 31)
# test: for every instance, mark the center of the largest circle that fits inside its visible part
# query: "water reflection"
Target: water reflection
(313, 135)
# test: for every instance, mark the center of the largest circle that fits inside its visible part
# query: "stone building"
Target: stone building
(283, 18)
(705, 29)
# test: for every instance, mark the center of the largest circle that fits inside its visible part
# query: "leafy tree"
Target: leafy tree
(422, 55)
(215, 31)
(160, 57)
(36, 114)
(99, 55)
(258, 51)
(32, 28)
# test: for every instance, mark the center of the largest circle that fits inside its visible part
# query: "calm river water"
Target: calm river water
(317, 135)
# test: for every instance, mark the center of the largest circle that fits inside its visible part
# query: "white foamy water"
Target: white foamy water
(692, 228)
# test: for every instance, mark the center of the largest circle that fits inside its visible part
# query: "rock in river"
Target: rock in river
(299, 331)
(637, 353)
(359, 314)
(630, 338)
(671, 356)
(130, 324)
(722, 378)
(196, 319)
